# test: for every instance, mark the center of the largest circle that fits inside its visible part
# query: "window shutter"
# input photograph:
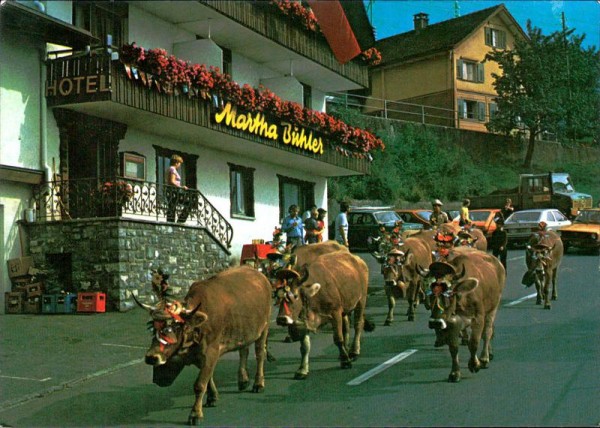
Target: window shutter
(462, 109)
(488, 36)
(459, 68)
(480, 73)
(481, 111)
(502, 40)
(493, 110)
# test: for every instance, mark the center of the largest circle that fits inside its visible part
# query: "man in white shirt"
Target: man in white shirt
(341, 224)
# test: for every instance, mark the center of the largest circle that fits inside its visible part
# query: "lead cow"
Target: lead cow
(328, 290)
(228, 312)
(543, 258)
(466, 293)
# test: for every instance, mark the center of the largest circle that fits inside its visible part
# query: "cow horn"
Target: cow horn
(421, 271)
(303, 274)
(462, 273)
(190, 312)
(143, 305)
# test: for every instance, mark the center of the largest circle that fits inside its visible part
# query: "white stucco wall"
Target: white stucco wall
(213, 182)
(203, 51)
(286, 88)
(245, 70)
(62, 10)
(151, 32)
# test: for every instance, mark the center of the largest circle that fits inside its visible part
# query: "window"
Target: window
(471, 71)
(241, 191)
(227, 61)
(493, 110)
(102, 19)
(133, 166)
(293, 191)
(474, 110)
(187, 171)
(307, 96)
(495, 38)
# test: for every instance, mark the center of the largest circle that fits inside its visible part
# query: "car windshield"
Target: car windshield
(525, 216)
(562, 183)
(588, 217)
(479, 215)
(387, 216)
(424, 214)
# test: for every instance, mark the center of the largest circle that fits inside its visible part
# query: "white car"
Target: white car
(521, 224)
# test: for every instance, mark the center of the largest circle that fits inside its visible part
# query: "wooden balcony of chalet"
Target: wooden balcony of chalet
(93, 83)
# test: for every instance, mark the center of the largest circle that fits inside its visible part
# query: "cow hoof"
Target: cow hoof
(538, 302)
(553, 297)
(411, 317)
(353, 356)
(242, 386)
(454, 377)
(271, 357)
(258, 388)
(547, 306)
(300, 376)
(387, 322)
(210, 402)
(346, 364)
(194, 420)
(484, 364)
(474, 368)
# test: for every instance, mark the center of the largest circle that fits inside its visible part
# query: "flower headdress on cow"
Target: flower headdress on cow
(387, 240)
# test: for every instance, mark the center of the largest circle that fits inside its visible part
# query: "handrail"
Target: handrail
(121, 197)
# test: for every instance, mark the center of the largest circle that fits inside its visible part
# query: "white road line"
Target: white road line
(522, 299)
(124, 346)
(516, 258)
(26, 378)
(389, 363)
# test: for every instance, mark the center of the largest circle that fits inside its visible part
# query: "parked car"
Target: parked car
(521, 224)
(366, 222)
(484, 220)
(415, 216)
(584, 232)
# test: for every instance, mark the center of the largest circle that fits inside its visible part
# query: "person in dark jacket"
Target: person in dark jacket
(499, 242)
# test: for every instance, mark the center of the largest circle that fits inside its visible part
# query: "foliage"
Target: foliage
(546, 84)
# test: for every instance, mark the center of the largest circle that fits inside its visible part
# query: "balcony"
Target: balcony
(128, 199)
(93, 84)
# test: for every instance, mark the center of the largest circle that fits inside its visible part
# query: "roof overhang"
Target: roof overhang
(25, 20)
(21, 175)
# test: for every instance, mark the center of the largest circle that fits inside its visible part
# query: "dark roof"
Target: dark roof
(438, 37)
(359, 21)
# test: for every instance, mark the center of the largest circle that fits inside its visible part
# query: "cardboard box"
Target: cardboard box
(14, 302)
(91, 302)
(49, 303)
(34, 290)
(19, 267)
(21, 280)
(33, 305)
(66, 303)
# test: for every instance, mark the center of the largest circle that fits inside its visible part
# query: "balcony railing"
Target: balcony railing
(133, 199)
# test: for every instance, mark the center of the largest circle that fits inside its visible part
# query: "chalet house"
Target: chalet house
(96, 98)
(436, 73)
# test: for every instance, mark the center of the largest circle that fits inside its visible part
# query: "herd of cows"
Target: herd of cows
(457, 281)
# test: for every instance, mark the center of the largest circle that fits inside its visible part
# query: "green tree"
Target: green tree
(547, 84)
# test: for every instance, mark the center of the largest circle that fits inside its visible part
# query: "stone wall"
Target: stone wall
(116, 255)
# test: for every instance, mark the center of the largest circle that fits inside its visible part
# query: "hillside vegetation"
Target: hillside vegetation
(422, 163)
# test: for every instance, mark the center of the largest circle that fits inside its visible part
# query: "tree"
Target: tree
(547, 84)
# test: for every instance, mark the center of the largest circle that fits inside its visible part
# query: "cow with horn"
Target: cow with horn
(225, 313)
(330, 289)
(544, 253)
(465, 293)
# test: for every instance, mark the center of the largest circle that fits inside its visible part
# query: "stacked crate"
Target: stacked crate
(26, 294)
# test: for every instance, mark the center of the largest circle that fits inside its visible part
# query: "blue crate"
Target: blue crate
(48, 303)
(66, 303)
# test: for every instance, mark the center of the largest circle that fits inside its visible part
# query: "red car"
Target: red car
(420, 216)
(483, 219)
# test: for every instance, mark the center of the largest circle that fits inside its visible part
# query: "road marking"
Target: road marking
(26, 378)
(389, 363)
(124, 346)
(516, 258)
(522, 299)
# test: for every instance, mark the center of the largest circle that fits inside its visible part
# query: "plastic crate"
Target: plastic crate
(91, 302)
(14, 302)
(49, 303)
(66, 303)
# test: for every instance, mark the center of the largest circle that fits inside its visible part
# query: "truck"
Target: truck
(548, 190)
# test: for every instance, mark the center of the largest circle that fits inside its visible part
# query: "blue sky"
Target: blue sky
(396, 16)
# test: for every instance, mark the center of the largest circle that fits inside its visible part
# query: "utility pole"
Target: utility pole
(456, 9)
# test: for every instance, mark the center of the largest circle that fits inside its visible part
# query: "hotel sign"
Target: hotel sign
(257, 124)
(68, 86)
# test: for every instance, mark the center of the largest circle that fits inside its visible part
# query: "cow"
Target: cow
(544, 253)
(329, 289)
(471, 237)
(466, 293)
(227, 312)
(401, 278)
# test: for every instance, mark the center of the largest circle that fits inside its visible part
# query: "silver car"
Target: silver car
(521, 224)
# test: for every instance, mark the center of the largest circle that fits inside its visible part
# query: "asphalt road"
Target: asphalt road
(76, 370)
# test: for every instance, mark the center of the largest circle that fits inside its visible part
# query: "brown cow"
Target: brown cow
(402, 274)
(543, 257)
(330, 289)
(466, 293)
(225, 313)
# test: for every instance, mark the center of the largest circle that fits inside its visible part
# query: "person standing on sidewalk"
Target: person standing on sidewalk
(341, 224)
(292, 226)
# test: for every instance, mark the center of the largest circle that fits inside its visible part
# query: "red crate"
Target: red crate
(91, 302)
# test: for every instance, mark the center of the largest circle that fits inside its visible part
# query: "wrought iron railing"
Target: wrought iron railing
(121, 197)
